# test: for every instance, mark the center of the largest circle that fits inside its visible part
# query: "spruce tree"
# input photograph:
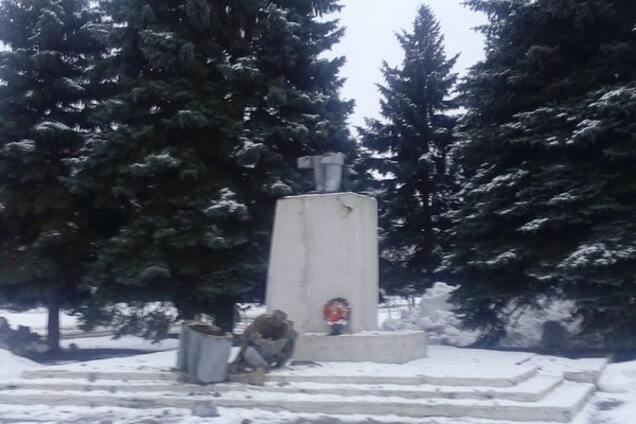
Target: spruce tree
(409, 150)
(216, 100)
(46, 94)
(293, 100)
(549, 198)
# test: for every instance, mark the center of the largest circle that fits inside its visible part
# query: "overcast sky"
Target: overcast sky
(369, 39)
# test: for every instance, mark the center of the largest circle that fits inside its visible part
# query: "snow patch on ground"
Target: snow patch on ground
(159, 361)
(125, 342)
(619, 378)
(435, 315)
(525, 329)
(36, 319)
(12, 365)
(615, 403)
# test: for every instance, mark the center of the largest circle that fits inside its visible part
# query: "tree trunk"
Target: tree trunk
(224, 311)
(53, 326)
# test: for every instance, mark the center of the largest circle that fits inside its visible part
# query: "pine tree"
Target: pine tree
(550, 204)
(293, 101)
(46, 94)
(216, 101)
(409, 149)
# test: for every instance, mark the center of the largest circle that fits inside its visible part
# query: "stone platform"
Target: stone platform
(325, 246)
(369, 346)
(451, 386)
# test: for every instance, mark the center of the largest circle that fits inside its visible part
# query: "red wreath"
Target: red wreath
(337, 311)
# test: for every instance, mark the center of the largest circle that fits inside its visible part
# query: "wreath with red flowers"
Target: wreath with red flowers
(336, 313)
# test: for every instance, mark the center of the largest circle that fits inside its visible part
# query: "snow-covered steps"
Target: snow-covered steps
(109, 414)
(537, 397)
(559, 405)
(495, 369)
(101, 375)
(531, 390)
(462, 385)
(330, 373)
(585, 370)
(325, 375)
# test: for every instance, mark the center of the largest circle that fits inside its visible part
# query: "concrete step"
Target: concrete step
(452, 387)
(559, 405)
(101, 375)
(287, 377)
(531, 390)
(319, 375)
(75, 333)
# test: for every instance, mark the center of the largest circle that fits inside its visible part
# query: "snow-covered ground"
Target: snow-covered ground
(11, 366)
(112, 415)
(615, 403)
(125, 342)
(36, 319)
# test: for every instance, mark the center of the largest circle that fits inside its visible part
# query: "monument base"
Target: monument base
(389, 347)
(325, 246)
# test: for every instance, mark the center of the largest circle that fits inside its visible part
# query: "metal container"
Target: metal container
(203, 357)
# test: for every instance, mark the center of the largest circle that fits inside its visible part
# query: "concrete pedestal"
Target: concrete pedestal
(372, 346)
(324, 246)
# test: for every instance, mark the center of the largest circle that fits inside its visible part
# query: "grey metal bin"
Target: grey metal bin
(203, 357)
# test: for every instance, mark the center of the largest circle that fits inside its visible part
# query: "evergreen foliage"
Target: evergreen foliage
(409, 150)
(550, 194)
(46, 94)
(216, 99)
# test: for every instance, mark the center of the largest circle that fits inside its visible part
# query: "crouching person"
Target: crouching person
(266, 343)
